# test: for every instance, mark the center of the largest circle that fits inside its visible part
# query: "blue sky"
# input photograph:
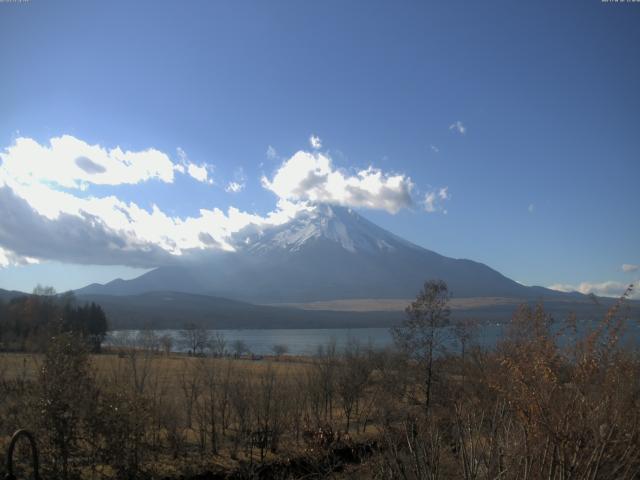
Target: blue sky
(528, 113)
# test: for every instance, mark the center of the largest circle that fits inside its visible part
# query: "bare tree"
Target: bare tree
(166, 343)
(44, 291)
(352, 376)
(279, 349)
(239, 347)
(268, 403)
(464, 331)
(218, 344)
(412, 451)
(325, 370)
(418, 334)
(223, 396)
(240, 401)
(194, 338)
(190, 385)
(138, 352)
(209, 371)
(148, 341)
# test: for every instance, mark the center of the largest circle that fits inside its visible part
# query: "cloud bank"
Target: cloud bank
(48, 212)
(72, 163)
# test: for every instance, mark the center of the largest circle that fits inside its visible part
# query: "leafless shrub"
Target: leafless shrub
(66, 394)
(412, 451)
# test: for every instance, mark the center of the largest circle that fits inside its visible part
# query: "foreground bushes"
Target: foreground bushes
(548, 403)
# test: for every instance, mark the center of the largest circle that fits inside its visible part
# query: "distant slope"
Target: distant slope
(465, 303)
(161, 310)
(171, 310)
(330, 253)
(7, 295)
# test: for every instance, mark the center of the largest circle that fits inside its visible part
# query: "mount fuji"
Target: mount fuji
(325, 253)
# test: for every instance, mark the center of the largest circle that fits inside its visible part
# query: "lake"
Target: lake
(307, 341)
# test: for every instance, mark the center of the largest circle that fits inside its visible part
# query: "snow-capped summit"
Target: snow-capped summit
(340, 225)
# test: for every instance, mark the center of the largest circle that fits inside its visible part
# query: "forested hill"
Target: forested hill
(28, 321)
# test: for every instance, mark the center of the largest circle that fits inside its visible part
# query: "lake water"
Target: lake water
(307, 341)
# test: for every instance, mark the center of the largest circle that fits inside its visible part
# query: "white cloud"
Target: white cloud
(434, 148)
(234, 187)
(315, 142)
(459, 127)
(72, 163)
(531, 207)
(609, 288)
(433, 200)
(312, 177)
(197, 172)
(9, 258)
(272, 154)
(239, 182)
(627, 267)
(69, 162)
(182, 155)
(430, 202)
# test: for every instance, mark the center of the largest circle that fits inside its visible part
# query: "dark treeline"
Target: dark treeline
(27, 323)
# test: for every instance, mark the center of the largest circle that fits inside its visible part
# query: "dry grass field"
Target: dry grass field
(533, 408)
(197, 413)
(397, 304)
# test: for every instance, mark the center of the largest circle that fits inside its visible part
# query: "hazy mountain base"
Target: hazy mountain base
(171, 310)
